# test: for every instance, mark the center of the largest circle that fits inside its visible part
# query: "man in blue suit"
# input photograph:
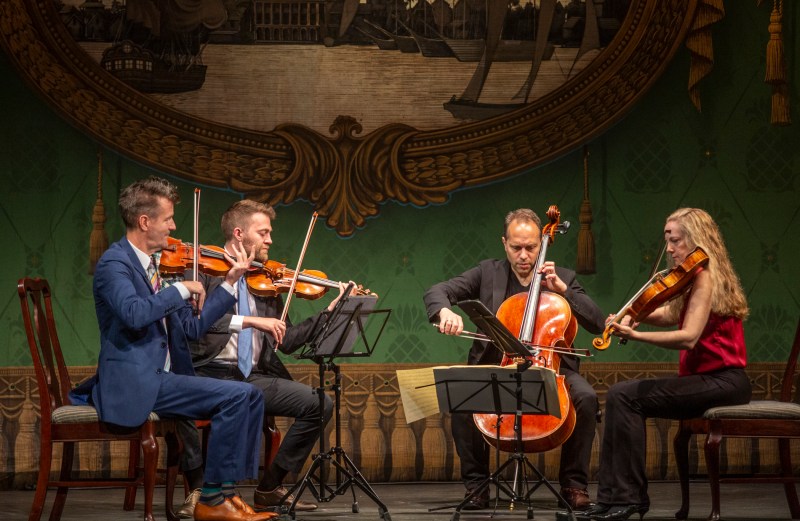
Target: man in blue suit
(145, 364)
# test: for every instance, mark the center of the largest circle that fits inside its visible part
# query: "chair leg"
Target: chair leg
(681, 447)
(67, 457)
(150, 452)
(174, 450)
(712, 462)
(133, 468)
(785, 452)
(45, 460)
(272, 440)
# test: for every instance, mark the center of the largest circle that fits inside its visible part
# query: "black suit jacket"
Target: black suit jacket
(212, 343)
(487, 282)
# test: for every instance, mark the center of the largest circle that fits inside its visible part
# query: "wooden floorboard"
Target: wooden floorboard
(411, 502)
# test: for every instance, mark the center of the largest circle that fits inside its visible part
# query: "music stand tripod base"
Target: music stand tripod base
(336, 338)
(499, 390)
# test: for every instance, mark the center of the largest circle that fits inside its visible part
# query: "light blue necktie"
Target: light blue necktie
(245, 335)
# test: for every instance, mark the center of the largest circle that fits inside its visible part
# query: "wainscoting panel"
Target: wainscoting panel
(374, 432)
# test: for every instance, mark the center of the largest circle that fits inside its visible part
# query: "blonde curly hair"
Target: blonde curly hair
(727, 295)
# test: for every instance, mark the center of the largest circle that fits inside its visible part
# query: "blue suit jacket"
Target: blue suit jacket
(133, 341)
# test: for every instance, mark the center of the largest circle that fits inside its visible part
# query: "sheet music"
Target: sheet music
(422, 397)
(418, 392)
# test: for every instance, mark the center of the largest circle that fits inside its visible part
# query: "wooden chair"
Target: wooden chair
(778, 419)
(69, 424)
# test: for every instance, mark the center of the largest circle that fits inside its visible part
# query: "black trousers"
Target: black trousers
(576, 452)
(623, 453)
(282, 397)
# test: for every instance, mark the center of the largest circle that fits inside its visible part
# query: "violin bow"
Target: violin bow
(653, 272)
(196, 235)
(298, 268)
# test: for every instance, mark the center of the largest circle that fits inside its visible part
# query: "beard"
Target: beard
(261, 253)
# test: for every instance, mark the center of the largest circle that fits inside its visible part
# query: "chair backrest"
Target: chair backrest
(789, 374)
(40, 328)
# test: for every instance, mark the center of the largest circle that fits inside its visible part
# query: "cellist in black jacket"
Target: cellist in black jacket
(492, 282)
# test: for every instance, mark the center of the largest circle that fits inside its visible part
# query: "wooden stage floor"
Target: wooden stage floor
(412, 501)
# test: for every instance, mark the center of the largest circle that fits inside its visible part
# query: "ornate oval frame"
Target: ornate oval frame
(345, 176)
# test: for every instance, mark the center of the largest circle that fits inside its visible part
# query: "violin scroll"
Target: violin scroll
(601, 343)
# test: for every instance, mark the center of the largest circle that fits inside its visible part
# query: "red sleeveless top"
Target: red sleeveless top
(721, 346)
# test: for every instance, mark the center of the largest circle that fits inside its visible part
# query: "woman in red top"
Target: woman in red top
(710, 338)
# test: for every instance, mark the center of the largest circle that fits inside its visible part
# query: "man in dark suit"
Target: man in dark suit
(492, 282)
(256, 320)
(145, 364)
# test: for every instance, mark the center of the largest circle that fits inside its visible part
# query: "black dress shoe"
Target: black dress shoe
(594, 510)
(479, 501)
(620, 512)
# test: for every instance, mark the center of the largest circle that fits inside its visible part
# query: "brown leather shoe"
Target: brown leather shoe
(578, 498)
(280, 496)
(240, 503)
(228, 511)
(187, 509)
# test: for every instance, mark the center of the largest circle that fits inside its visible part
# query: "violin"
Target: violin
(263, 280)
(178, 256)
(274, 277)
(539, 318)
(660, 289)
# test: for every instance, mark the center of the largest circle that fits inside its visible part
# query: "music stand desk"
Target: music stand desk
(337, 338)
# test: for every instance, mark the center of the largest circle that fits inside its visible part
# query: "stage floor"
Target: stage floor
(412, 501)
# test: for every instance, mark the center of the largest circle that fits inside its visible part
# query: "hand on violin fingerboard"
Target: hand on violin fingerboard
(342, 288)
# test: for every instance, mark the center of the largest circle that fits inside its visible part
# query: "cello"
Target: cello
(541, 319)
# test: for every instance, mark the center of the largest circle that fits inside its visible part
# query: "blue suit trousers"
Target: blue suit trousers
(236, 411)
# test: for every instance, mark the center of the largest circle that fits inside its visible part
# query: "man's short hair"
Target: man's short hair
(239, 213)
(521, 214)
(141, 198)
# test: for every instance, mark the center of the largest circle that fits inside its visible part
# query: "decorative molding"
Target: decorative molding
(345, 176)
(375, 434)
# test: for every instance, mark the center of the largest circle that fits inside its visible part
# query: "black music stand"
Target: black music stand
(345, 334)
(516, 390)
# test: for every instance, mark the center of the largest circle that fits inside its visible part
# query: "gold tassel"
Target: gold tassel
(776, 63)
(780, 105)
(98, 240)
(776, 68)
(586, 257)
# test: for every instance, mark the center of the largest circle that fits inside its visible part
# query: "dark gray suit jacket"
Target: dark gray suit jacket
(487, 282)
(210, 345)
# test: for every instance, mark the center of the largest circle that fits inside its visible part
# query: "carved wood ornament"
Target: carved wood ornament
(345, 176)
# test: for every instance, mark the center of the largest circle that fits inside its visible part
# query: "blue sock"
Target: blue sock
(228, 489)
(212, 494)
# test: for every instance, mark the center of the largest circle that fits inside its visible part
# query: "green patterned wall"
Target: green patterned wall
(663, 155)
